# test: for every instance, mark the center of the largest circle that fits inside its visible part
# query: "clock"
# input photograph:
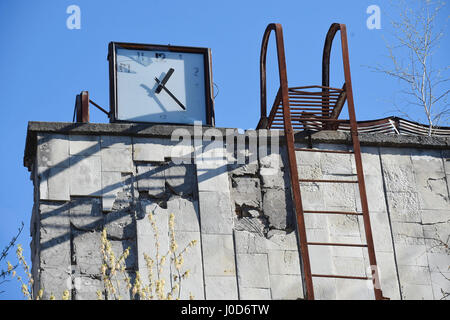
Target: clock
(158, 83)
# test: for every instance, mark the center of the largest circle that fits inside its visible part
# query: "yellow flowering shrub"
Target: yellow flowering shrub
(114, 274)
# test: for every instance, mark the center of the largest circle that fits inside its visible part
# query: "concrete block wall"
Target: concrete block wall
(113, 176)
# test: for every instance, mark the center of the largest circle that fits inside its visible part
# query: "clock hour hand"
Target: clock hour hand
(169, 93)
(164, 80)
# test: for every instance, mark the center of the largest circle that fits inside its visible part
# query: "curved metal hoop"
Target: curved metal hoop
(276, 27)
(334, 28)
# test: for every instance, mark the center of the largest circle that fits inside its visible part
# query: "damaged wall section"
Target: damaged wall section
(113, 176)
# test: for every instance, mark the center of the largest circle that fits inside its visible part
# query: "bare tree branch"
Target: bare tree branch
(411, 57)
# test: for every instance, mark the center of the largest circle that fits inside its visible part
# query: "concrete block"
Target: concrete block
(248, 276)
(53, 150)
(84, 145)
(316, 221)
(147, 245)
(181, 179)
(212, 153)
(404, 206)
(254, 294)
(347, 289)
(309, 172)
(336, 164)
(276, 180)
(85, 176)
(308, 158)
(277, 206)
(86, 251)
(120, 142)
(116, 159)
(123, 293)
(41, 182)
(215, 212)
(54, 183)
(439, 262)
(272, 160)
(86, 213)
(186, 213)
(318, 235)
(375, 193)
(441, 285)
(193, 284)
(249, 242)
(160, 217)
(414, 275)
(252, 223)
(284, 262)
(120, 225)
(54, 281)
(221, 288)
(432, 190)
(437, 237)
(246, 192)
(212, 178)
(381, 231)
(151, 149)
(411, 255)
(398, 169)
(371, 161)
(321, 259)
(354, 266)
(237, 169)
(281, 240)
(218, 255)
(325, 289)
(286, 287)
(119, 246)
(435, 216)
(312, 196)
(416, 292)
(342, 225)
(54, 221)
(387, 272)
(407, 233)
(111, 185)
(86, 288)
(151, 178)
(55, 252)
(340, 196)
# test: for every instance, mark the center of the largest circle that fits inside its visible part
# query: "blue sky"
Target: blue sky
(44, 65)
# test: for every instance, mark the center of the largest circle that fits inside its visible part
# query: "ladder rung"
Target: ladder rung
(336, 244)
(333, 212)
(327, 151)
(339, 277)
(330, 181)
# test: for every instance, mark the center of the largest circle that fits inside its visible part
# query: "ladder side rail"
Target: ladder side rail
(358, 162)
(289, 136)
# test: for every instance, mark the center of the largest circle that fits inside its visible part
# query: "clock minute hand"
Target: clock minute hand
(164, 80)
(169, 93)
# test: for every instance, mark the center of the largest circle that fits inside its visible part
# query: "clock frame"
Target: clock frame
(113, 80)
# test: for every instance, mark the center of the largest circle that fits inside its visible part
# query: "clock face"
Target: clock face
(161, 85)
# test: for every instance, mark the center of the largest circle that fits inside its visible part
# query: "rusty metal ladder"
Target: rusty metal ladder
(316, 108)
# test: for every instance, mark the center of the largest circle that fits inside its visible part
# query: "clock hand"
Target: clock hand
(170, 93)
(164, 80)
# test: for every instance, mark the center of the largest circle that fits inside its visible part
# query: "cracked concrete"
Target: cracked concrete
(241, 215)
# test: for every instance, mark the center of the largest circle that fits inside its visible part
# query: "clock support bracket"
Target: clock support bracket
(81, 110)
